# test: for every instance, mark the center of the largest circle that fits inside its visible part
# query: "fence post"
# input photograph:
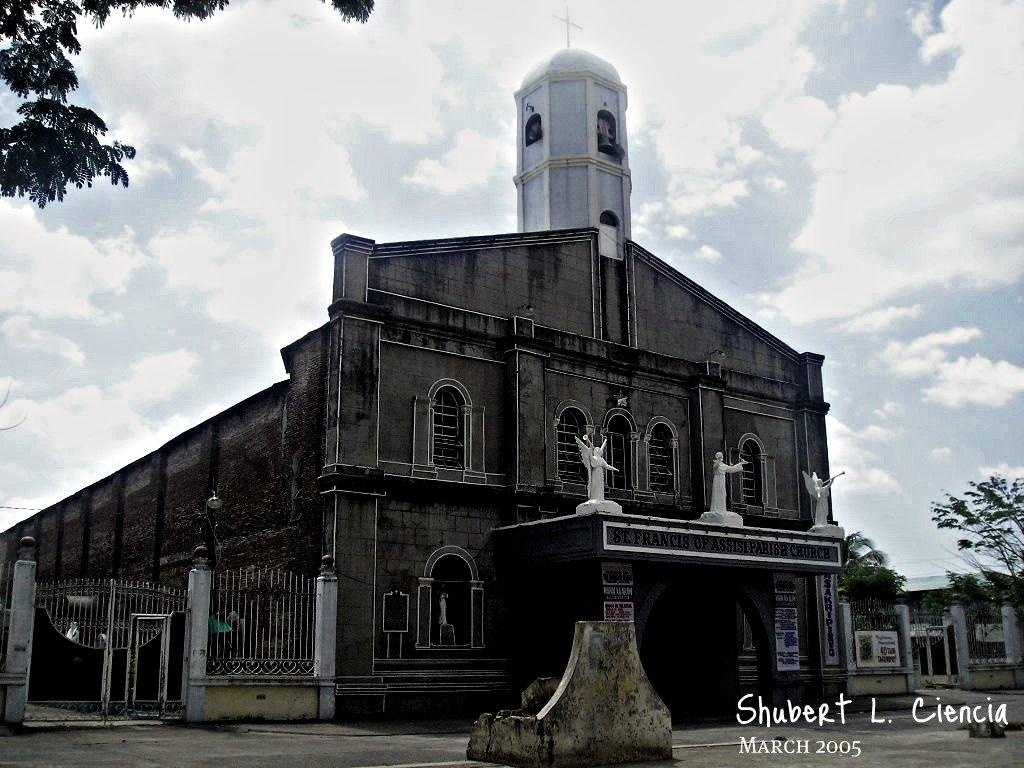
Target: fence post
(197, 635)
(324, 631)
(1011, 634)
(906, 645)
(846, 627)
(19, 639)
(963, 647)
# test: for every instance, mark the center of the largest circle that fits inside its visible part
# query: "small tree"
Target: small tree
(863, 581)
(990, 519)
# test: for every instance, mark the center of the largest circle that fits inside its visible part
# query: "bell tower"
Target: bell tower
(572, 160)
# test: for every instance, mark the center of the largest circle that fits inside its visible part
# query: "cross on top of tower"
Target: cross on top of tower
(568, 23)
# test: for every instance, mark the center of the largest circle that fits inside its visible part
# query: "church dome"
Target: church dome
(570, 60)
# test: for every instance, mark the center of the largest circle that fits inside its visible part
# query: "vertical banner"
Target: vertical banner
(617, 583)
(829, 628)
(787, 639)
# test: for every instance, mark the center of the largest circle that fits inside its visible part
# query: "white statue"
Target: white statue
(594, 461)
(718, 513)
(443, 600)
(820, 492)
(72, 633)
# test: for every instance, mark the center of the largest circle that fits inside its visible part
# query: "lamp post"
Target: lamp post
(213, 506)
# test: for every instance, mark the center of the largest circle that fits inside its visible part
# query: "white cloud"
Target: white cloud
(472, 160)
(941, 453)
(864, 473)
(925, 354)
(888, 409)
(974, 380)
(775, 183)
(920, 187)
(53, 273)
(879, 319)
(157, 377)
(1002, 468)
(20, 333)
(707, 253)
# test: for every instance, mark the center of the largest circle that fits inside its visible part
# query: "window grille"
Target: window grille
(617, 453)
(449, 442)
(753, 481)
(659, 450)
(571, 425)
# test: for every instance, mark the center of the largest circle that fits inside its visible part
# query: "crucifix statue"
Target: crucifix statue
(568, 23)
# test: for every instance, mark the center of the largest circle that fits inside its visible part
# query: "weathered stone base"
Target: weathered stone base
(593, 505)
(828, 529)
(722, 518)
(603, 711)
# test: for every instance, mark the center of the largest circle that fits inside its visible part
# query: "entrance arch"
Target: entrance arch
(703, 646)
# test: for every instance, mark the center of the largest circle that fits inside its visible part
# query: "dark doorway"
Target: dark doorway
(702, 649)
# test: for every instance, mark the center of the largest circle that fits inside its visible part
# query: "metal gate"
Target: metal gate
(934, 647)
(106, 648)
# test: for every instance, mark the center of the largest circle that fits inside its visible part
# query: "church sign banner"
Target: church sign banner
(830, 634)
(787, 637)
(738, 546)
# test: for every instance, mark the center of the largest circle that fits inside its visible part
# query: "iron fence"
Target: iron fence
(6, 581)
(97, 612)
(261, 623)
(926, 627)
(985, 633)
(877, 615)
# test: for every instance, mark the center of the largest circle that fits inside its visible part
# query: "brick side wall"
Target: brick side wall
(147, 518)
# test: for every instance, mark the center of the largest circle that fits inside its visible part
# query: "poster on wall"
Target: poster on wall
(787, 637)
(877, 649)
(617, 584)
(829, 631)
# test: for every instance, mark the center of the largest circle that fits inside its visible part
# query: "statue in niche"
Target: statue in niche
(718, 514)
(447, 631)
(820, 491)
(595, 464)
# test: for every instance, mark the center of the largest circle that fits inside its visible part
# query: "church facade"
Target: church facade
(426, 439)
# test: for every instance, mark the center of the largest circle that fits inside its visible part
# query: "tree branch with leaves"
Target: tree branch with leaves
(56, 143)
(990, 520)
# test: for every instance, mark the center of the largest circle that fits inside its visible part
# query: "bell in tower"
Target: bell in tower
(573, 164)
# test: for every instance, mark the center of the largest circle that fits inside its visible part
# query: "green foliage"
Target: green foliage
(860, 550)
(970, 589)
(990, 519)
(56, 143)
(863, 580)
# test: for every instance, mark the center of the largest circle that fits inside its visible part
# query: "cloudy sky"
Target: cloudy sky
(848, 173)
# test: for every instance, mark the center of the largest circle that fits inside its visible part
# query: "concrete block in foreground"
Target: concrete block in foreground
(603, 711)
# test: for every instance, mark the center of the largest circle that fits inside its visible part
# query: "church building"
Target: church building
(426, 438)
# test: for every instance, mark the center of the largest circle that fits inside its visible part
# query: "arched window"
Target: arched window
(617, 452)
(659, 458)
(753, 480)
(533, 131)
(449, 447)
(608, 244)
(607, 135)
(571, 424)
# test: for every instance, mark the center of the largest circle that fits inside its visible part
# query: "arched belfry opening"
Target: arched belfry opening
(704, 645)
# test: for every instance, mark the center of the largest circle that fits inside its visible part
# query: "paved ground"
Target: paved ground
(901, 743)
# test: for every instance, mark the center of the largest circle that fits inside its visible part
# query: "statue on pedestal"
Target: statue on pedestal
(595, 464)
(820, 491)
(718, 514)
